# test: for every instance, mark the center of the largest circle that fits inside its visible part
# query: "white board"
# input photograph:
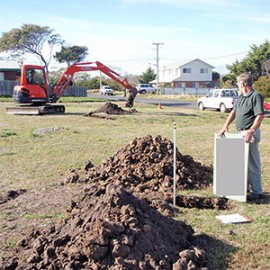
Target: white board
(231, 166)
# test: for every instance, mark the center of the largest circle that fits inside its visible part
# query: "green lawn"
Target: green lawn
(37, 161)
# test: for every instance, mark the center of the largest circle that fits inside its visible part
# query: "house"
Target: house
(193, 74)
(9, 70)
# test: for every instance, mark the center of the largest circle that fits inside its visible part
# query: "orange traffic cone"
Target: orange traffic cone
(159, 106)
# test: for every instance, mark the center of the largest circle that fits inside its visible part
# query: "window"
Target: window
(216, 94)
(233, 93)
(186, 70)
(227, 93)
(203, 70)
(35, 76)
(210, 93)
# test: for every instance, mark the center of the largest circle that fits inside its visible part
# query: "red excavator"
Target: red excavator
(33, 95)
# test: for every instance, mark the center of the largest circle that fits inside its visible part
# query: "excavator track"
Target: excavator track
(36, 110)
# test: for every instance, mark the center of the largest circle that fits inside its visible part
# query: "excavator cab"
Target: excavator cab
(33, 87)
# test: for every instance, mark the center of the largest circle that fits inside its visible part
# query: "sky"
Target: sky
(124, 33)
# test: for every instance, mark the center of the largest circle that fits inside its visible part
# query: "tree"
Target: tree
(93, 83)
(215, 76)
(70, 55)
(262, 85)
(266, 67)
(55, 75)
(215, 79)
(226, 82)
(30, 38)
(253, 62)
(147, 76)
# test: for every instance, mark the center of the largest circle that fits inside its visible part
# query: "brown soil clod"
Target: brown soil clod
(11, 195)
(201, 202)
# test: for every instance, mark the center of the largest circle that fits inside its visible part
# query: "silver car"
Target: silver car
(145, 88)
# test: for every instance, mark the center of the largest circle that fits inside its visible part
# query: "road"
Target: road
(155, 101)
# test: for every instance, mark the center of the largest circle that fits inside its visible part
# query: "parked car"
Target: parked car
(220, 99)
(266, 106)
(146, 88)
(106, 90)
(267, 109)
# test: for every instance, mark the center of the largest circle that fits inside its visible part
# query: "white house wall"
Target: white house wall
(195, 74)
(168, 75)
(175, 73)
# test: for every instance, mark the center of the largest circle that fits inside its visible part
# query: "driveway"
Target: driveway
(155, 100)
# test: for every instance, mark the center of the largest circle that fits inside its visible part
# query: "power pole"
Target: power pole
(157, 49)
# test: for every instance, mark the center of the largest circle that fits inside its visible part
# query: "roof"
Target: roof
(9, 65)
(198, 60)
(173, 65)
(180, 64)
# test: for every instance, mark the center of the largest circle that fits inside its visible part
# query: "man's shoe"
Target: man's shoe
(254, 197)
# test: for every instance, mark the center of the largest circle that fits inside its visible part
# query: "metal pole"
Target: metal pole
(157, 45)
(174, 163)
(100, 81)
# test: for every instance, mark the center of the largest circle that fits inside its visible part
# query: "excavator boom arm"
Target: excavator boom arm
(68, 74)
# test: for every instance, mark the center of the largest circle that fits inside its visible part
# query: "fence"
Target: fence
(75, 91)
(6, 89)
(184, 91)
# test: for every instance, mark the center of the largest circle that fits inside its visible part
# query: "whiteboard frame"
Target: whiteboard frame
(245, 154)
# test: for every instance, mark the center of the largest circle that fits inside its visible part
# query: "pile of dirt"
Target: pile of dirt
(124, 217)
(147, 163)
(110, 228)
(109, 109)
(145, 168)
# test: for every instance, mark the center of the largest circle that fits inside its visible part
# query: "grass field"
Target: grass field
(37, 152)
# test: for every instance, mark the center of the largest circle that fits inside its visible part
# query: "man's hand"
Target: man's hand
(223, 130)
(229, 120)
(249, 136)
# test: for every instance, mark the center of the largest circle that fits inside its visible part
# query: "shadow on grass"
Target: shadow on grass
(77, 113)
(171, 113)
(219, 253)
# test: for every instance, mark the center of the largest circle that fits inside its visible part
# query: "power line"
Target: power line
(225, 56)
(170, 59)
(209, 58)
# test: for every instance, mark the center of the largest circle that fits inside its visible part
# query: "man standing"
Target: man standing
(32, 77)
(248, 113)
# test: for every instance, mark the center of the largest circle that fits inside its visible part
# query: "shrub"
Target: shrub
(262, 85)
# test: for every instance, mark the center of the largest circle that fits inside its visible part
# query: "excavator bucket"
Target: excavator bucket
(130, 101)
